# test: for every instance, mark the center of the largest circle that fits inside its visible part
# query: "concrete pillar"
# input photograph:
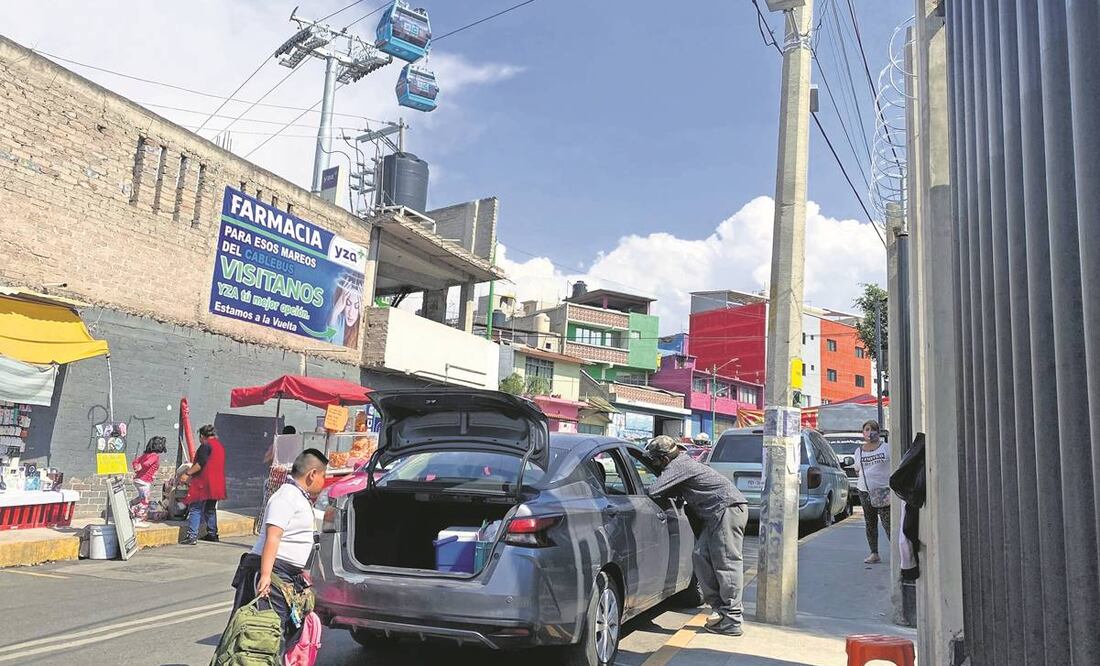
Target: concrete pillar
(939, 589)
(466, 307)
(435, 305)
(370, 284)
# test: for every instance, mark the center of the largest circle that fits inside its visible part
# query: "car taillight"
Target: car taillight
(530, 532)
(333, 519)
(813, 477)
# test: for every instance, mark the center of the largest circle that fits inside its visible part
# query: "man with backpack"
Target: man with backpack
(271, 575)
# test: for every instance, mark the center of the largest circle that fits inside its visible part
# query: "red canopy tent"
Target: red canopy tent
(317, 391)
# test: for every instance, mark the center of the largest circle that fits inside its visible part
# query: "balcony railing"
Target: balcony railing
(401, 341)
(583, 314)
(596, 353)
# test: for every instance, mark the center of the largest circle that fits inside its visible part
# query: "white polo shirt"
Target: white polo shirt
(289, 509)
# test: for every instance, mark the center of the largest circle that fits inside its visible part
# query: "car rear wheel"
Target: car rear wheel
(826, 518)
(599, 643)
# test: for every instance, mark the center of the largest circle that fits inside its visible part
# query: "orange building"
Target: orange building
(845, 364)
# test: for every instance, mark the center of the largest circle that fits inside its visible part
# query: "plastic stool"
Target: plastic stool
(862, 648)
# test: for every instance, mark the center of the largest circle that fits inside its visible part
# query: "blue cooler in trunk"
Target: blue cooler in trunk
(455, 549)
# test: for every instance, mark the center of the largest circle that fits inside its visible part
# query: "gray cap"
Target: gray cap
(662, 446)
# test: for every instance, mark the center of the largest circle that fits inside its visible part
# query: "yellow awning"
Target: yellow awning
(36, 331)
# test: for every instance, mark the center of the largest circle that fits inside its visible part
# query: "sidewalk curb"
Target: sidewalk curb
(683, 637)
(66, 547)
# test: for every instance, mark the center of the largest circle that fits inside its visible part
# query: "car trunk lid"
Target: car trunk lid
(451, 419)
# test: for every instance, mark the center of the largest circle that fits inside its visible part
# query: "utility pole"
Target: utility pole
(713, 401)
(777, 580)
(347, 59)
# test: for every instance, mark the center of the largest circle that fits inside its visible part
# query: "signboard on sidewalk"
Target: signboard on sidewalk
(280, 271)
(120, 515)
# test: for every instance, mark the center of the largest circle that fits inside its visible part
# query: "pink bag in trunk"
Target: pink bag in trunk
(304, 652)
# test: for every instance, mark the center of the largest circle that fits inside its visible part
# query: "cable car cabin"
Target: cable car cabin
(417, 89)
(404, 32)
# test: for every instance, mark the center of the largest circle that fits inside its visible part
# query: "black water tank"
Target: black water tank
(405, 181)
(579, 289)
(499, 320)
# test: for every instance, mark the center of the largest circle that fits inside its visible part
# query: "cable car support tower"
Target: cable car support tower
(347, 59)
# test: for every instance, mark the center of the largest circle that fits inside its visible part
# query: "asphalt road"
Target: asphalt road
(168, 606)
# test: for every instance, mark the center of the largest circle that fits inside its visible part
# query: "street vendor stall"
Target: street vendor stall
(346, 447)
(38, 334)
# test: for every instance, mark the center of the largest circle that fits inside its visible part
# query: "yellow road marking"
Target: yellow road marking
(33, 573)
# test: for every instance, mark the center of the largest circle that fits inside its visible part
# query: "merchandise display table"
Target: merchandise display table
(25, 509)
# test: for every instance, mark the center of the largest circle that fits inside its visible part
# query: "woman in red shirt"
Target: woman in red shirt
(145, 468)
(207, 476)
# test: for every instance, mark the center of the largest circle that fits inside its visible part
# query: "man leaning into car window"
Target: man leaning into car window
(723, 511)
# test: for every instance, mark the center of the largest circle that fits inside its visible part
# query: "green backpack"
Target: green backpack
(254, 637)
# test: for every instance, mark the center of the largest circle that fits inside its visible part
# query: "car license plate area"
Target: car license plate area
(753, 483)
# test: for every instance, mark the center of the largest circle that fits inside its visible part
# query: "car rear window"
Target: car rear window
(844, 445)
(462, 469)
(739, 449)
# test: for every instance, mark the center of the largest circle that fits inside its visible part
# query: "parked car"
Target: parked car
(823, 496)
(581, 548)
(844, 445)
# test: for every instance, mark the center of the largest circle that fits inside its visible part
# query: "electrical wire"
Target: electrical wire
(870, 80)
(482, 20)
(341, 10)
(284, 127)
(270, 90)
(197, 92)
(226, 100)
(824, 134)
(225, 117)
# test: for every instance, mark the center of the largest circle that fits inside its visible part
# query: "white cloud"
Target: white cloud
(840, 256)
(211, 46)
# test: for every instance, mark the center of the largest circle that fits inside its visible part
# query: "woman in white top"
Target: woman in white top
(873, 484)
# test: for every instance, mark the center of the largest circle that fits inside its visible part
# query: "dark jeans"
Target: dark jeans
(202, 512)
(718, 561)
(871, 516)
(244, 581)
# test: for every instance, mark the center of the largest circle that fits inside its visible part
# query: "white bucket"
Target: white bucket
(102, 542)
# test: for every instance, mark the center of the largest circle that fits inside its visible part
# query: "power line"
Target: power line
(480, 21)
(197, 92)
(824, 134)
(870, 80)
(226, 100)
(840, 117)
(341, 10)
(270, 90)
(225, 117)
(284, 127)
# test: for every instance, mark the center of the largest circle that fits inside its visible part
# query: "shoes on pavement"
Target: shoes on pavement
(212, 538)
(873, 558)
(726, 627)
(189, 541)
(714, 618)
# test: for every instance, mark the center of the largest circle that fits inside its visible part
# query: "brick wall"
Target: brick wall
(121, 204)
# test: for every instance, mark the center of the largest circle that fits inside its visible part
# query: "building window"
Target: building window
(540, 368)
(830, 345)
(634, 378)
(803, 338)
(700, 385)
(830, 375)
(747, 394)
(860, 381)
(635, 335)
(587, 336)
(722, 390)
(860, 353)
(591, 429)
(803, 369)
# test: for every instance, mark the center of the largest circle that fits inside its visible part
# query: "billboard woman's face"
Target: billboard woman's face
(352, 304)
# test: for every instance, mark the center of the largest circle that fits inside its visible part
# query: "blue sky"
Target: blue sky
(632, 144)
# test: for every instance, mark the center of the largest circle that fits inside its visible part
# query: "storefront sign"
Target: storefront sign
(282, 272)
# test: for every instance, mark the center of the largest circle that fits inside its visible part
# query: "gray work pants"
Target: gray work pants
(718, 561)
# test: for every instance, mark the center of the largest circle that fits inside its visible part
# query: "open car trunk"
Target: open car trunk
(399, 528)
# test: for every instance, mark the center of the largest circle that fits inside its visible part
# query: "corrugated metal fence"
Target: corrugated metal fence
(1024, 87)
